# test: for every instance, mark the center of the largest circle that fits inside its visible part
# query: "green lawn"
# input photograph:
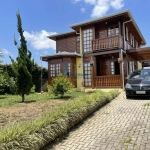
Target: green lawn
(12, 110)
(15, 100)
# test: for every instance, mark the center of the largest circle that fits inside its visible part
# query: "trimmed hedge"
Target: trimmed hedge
(46, 128)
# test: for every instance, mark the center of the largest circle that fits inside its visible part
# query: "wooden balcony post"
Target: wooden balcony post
(120, 56)
(119, 38)
(92, 69)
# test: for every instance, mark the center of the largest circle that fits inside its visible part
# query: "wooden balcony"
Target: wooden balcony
(107, 81)
(113, 42)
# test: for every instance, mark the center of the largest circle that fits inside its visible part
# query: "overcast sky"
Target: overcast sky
(41, 18)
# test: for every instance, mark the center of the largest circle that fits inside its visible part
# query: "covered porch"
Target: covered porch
(107, 71)
(140, 55)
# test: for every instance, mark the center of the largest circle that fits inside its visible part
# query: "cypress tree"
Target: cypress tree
(23, 65)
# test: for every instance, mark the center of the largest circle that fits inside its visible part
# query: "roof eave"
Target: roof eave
(137, 28)
(59, 55)
(53, 37)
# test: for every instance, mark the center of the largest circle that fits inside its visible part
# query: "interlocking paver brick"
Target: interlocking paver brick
(120, 125)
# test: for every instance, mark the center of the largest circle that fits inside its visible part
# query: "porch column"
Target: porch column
(92, 69)
(121, 69)
(119, 27)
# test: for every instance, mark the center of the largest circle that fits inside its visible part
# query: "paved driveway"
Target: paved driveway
(123, 124)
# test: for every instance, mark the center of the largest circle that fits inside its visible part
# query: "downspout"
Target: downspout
(124, 51)
(124, 32)
(77, 32)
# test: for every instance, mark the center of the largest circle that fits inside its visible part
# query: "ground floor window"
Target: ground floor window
(87, 74)
(54, 70)
(114, 68)
(67, 69)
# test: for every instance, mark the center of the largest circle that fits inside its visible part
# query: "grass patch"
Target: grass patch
(46, 128)
(7, 101)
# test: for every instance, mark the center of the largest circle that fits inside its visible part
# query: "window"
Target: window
(112, 68)
(87, 74)
(57, 69)
(54, 70)
(132, 40)
(131, 66)
(117, 31)
(67, 69)
(87, 37)
(112, 31)
(136, 44)
(78, 38)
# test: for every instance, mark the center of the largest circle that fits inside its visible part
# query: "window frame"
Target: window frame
(87, 74)
(55, 69)
(113, 31)
(87, 38)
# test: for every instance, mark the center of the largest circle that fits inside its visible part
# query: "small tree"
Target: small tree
(23, 65)
(60, 85)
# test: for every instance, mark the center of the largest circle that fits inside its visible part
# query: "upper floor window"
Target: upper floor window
(127, 33)
(132, 40)
(136, 44)
(87, 37)
(78, 38)
(54, 70)
(112, 31)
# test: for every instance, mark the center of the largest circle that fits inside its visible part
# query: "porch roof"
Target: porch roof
(139, 53)
(60, 55)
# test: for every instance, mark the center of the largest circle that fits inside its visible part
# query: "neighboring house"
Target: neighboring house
(98, 53)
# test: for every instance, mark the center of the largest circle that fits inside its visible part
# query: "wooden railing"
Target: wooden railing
(107, 43)
(107, 81)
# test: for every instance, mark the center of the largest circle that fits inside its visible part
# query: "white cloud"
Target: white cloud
(90, 1)
(39, 40)
(117, 4)
(75, 1)
(5, 51)
(100, 8)
(83, 10)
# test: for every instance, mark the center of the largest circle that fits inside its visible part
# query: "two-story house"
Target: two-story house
(98, 53)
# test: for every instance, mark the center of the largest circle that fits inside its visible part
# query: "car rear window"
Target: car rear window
(140, 75)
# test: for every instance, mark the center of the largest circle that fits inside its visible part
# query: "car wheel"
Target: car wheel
(127, 96)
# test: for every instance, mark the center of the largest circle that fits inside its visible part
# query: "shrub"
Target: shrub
(60, 85)
(32, 90)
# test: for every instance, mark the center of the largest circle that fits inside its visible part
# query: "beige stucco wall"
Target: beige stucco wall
(79, 64)
(79, 73)
(139, 65)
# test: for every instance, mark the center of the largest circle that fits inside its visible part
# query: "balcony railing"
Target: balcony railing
(107, 81)
(107, 43)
